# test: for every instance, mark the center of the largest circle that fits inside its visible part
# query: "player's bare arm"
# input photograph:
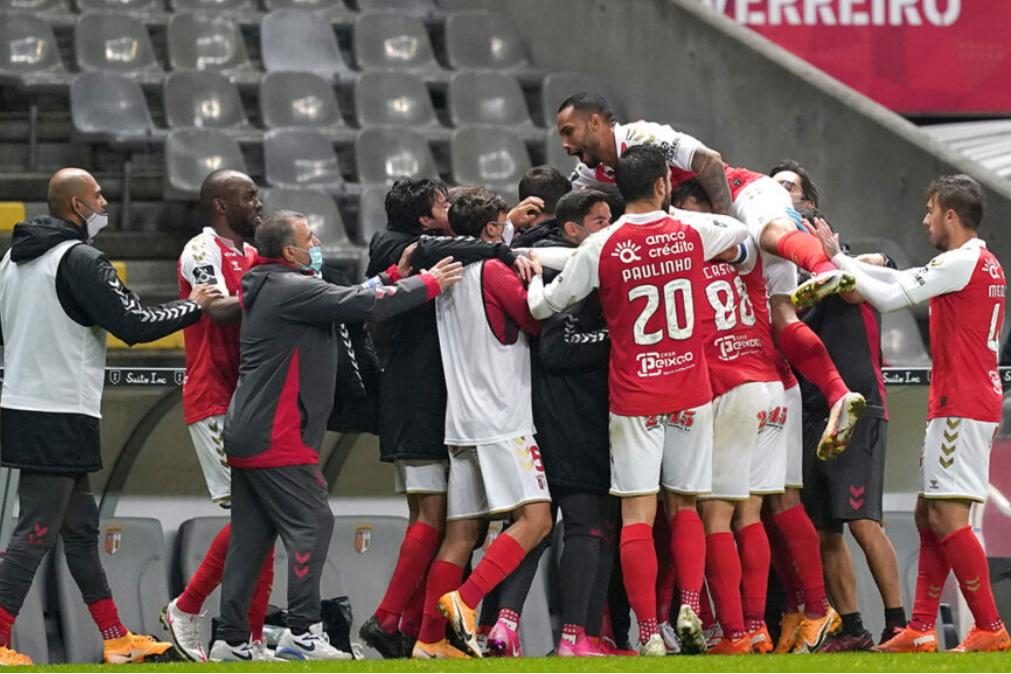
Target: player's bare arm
(224, 310)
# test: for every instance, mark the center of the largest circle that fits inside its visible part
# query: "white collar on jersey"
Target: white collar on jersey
(643, 218)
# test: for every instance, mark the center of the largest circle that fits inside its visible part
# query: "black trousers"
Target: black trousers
(53, 506)
(290, 502)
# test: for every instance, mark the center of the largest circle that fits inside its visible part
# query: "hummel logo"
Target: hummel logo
(627, 252)
(972, 585)
(946, 450)
(954, 423)
(945, 463)
(934, 591)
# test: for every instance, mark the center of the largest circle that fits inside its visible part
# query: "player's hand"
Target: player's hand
(829, 239)
(525, 212)
(524, 268)
(535, 264)
(204, 294)
(446, 272)
(404, 266)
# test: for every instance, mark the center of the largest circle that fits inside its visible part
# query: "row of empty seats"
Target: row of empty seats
(290, 39)
(111, 107)
(155, 11)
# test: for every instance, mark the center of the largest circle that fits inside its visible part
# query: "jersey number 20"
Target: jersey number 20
(677, 291)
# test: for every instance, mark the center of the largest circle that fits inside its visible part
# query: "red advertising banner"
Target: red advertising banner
(913, 56)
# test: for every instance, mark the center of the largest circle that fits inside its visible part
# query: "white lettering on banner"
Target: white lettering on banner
(939, 13)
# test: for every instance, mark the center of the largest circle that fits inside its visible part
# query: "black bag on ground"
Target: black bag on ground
(337, 617)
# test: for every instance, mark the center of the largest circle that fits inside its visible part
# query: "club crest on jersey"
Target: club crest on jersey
(363, 539)
(627, 252)
(113, 540)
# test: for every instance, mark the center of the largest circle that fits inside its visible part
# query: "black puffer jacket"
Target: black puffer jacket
(412, 391)
(569, 365)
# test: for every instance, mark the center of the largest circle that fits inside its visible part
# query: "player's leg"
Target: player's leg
(504, 636)
(42, 502)
(181, 616)
(584, 515)
(723, 575)
(637, 447)
(425, 486)
(753, 549)
(884, 567)
(666, 579)
(598, 602)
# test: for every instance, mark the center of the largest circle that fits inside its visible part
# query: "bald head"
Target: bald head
(230, 202)
(73, 194)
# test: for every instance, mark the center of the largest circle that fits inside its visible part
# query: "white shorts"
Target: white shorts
(674, 451)
(210, 445)
(768, 463)
(495, 479)
(420, 477)
(756, 206)
(955, 460)
(793, 438)
(737, 417)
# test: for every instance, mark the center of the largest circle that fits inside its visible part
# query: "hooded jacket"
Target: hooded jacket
(569, 376)
(412, 390)
(288, 358)
(58, 297)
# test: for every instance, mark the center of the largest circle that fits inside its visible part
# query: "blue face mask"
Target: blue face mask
(315, 259)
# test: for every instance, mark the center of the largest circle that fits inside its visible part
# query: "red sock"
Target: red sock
(805, 551)
(410, 621)
(805, 251)
(105, 615)
(502, 558)
(723, 576)
(783, 566)
(753, 547)
(443, 577)
(6, 627)
(807, 353)
(261, 597)
(968, 561)
(208, 575)
(706, 615)
(665, 579)
(932, 571)
(688, 549)
(421, 542)
(638, 569)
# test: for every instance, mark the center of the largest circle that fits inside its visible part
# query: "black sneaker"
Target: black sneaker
(842, 642)
(388, 645)
(889, 632)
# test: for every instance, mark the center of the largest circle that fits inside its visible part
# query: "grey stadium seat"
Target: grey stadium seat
(490, 97)
(148, 11)
(305, 100)
(117, 43)
(481, 40)
(241, 11)
(295, 39)
(202, 41)
(29, 54)
(321, 213)
(132, 552)
(190, 154)
(491, 156)
(427, 10)
(365, 550)
(385, 40)
(334, 11)
(902, 344)
(558, 86)
(384, 97)
(109, 107)
(54, 12)
(383, 154)
(556, 155)
(301, 158)
(371, 212)
(193, 98)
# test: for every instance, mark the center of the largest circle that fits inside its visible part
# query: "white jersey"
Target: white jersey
(487, 379)
(679, 149)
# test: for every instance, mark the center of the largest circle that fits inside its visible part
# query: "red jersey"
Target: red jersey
(735, 326)
(965, 327)
(212, 351)
(648, 268)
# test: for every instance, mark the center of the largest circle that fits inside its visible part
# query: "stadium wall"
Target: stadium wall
(679, 62)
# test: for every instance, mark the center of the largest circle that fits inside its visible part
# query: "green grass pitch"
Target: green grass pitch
(855, 663)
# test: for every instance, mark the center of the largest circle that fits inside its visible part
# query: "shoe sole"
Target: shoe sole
(815, 290)
(837, 435)
(453, 615)
(163, 619)
(689, 631)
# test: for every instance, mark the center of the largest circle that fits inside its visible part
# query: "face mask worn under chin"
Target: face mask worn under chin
(315, 260)
(95, 221)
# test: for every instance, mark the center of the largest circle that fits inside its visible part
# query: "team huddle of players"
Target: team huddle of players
(671, 338)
